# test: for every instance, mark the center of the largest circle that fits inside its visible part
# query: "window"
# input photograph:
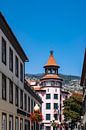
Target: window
(48, 96)
(47, 116)
(16, 96)
(48, 105)
(56, 116)
(37, 126)
(53, 71)
(4, 121)
(58, 84)
(3, 87)
(49, 71)
(25, 101)
(16, 123)
(10, 59)
(28, 104)
(10, 91)
(66, 97)
(21, 99)
(40, 108)
(16, 66)
(55, 96)
(21, 72)
(48, 90)
(26, 125)
(31, 105)
(34, 103)
(55, 90)
(3, 51)
(55, 105)
(48, 83)
(21, 124)
(41, 126)
(54, 128)
(52, 83)
(10, 122)
(48, 128)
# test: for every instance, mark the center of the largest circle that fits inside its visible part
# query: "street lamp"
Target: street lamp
(53, 119)
(53, 123)
(81, 122)
(36, 108)
(81, 117)
(37, 115)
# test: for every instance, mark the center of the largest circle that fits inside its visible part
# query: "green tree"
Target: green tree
(73, 107)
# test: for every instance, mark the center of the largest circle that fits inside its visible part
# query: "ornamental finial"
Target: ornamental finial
(51, 52)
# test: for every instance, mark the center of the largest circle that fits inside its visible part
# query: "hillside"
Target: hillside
(70, 82)
(66, 78)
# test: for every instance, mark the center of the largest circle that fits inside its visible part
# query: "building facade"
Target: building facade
(50, 92)
(83, 83)
(17, 99)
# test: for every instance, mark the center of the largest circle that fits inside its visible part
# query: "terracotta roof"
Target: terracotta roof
(38, 88)
(51, 76)
(51, 60)
(64, 92)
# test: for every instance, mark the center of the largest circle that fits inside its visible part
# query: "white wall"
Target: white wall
(50, 90)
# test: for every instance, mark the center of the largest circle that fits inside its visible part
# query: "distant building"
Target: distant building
(31, 98)
(17, 99)
(83, 83)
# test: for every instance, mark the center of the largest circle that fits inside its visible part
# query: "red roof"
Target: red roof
(51, 60)
(51, 76)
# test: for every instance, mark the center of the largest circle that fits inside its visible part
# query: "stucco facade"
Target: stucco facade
(51, 111)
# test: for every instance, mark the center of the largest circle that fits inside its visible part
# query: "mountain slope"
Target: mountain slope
(66, 78)
(70, 82)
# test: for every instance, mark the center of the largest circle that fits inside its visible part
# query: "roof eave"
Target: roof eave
(11, 37)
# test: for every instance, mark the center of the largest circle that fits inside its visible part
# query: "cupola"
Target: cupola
(51, 67)
(51, 77)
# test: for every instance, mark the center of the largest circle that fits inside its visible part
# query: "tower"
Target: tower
(51, 85)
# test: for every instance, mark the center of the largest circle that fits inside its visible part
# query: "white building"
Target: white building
(50, 91)
(17, 99)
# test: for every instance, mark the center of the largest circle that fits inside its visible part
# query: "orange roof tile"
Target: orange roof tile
(51, 76)
(51, 60)
(36, 88)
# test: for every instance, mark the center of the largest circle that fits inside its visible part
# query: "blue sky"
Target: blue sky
(44, 25)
